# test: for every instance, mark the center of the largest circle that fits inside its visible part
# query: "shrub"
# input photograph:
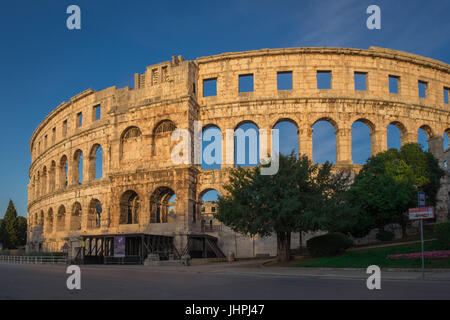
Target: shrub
(384, 235)
(329, 244)
(442, 232)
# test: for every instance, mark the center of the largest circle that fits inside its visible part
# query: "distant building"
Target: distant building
(209, 223)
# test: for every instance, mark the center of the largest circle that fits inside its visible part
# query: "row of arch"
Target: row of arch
(56, 176)
(51, 221)
(324, 138)
(163, 203)
(162, 206)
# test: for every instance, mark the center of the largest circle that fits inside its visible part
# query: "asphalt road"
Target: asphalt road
(202, 283)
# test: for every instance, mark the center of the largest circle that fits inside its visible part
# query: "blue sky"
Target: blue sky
(42, 63)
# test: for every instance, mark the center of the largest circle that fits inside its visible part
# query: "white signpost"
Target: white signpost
(421, 214)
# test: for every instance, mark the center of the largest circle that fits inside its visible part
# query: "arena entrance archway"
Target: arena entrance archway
(162, 205)
(129, 208)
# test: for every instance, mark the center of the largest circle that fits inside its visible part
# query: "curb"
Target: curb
(437, 270)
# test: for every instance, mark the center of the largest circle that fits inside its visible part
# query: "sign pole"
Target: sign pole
(421, 240)
(421, 213)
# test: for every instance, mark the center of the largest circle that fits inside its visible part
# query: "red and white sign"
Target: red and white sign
(421, 213)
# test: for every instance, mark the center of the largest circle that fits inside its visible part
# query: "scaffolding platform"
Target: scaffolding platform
(99, 249)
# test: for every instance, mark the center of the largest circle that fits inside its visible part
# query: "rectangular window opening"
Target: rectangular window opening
(284, 80)
(246, 83)
(97, 113)
(64, 128)
(422, 89)
(360, 81)
(394, 84)
(79, 119)
(53, 135)
(210, 87)
(323, 80)
(446, 90)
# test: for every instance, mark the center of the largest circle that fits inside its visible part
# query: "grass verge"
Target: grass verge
(377, 256)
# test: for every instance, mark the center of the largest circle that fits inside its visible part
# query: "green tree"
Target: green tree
(10, 239)
(295, 199)
(21, 231)
(387, 186)
(2, 231)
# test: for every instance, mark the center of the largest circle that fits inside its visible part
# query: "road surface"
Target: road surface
(218, 281)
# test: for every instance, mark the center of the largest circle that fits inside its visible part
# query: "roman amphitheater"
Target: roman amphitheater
(101, 162)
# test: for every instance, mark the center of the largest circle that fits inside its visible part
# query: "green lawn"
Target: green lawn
(377, 256)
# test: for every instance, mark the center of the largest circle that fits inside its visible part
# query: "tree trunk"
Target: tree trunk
(283, 246)
(403, 224)
(404, 235)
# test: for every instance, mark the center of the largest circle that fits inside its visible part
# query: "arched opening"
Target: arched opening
(246, 145)
(49, 222)
(75, 218)
(161, 139)
(96, 162)
(78, 167)
(38, 184)
(288, 137)
(41, 217)
(395, 130)
(162, 205)
(94, 218)
(423, 134)
(61, 219)
(52, 174)
(63, 170)
(324, 141)
(208, 209)
(361, 141)
(33, 188)
(44, 181)
(34, 221)
(448, 203)
(211, 148)
(129, 207)
(446, 142)
(130, 144)
(165, 126)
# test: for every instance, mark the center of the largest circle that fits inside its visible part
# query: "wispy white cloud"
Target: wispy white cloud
(331, 23)
(414, 26)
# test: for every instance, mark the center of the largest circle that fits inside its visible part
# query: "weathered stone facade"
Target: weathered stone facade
(135, 125)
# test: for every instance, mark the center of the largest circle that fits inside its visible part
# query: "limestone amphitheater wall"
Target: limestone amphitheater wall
(135, 125)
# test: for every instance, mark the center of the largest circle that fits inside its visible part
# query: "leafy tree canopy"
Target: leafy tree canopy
(297, 198)
(387, 186)
(13, 229)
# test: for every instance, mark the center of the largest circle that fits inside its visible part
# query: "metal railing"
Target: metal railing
(34, 259)
(211, 228)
